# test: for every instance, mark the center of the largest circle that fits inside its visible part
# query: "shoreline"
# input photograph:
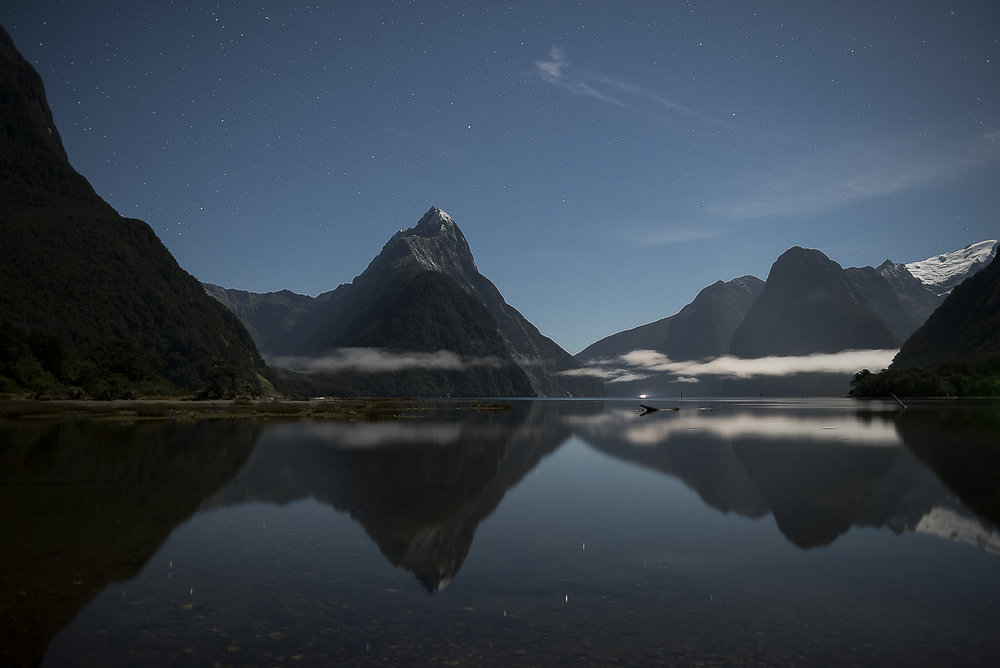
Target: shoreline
(188, 409)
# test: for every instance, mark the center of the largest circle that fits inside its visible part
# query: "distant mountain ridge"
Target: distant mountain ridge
(276, 311)
(809, 304)
(965, 327)
(93, 304)
(384, 308)
(703, 328)
(943, 272)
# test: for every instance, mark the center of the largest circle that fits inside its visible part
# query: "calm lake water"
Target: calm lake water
(554, 533)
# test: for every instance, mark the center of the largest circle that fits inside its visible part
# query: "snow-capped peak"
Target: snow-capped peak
(943, 272)
(442, 215)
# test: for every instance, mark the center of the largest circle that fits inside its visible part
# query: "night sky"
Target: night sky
(606, 160)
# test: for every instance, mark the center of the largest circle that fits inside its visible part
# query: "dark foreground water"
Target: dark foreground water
(554, 533)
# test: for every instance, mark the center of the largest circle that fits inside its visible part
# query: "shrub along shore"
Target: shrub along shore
(158, 409)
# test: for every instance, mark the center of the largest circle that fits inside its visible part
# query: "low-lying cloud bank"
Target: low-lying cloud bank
(374, 360)
(641, 364)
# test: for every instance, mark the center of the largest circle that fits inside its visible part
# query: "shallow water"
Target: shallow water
(555, 533)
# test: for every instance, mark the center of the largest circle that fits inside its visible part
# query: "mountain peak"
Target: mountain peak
(808, 305)
(436, 216)
(943, 272)
(799, 253)
(435, 223)
(437, 244)
(799, 263)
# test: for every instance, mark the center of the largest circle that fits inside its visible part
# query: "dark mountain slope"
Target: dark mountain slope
(891, 292)
(965, 327)
(428, 314)
(91, 303)
(703, 328)
(370, 312)
(955, 353)
(437, 244)
(808, 305)
(33, 162)
(267, 316)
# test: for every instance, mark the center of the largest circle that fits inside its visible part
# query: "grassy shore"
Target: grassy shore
(160, 409)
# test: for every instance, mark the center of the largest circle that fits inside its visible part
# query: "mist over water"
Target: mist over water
(374, 360)
(642, 364)
(549, 532)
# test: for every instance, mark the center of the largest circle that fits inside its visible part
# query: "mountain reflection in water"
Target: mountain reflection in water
(88, 504)
(419, 490)
(84, 504)
(818, 473)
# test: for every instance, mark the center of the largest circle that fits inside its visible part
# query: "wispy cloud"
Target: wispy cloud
(641, 364)
(668, 234)
(558, 71)
(830, 179)
(374, 360)
(552, 69)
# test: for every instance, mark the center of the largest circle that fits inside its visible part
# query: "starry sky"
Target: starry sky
(605, 160)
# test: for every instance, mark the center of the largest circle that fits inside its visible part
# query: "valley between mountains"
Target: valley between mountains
(379, 327)
(93, 305)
